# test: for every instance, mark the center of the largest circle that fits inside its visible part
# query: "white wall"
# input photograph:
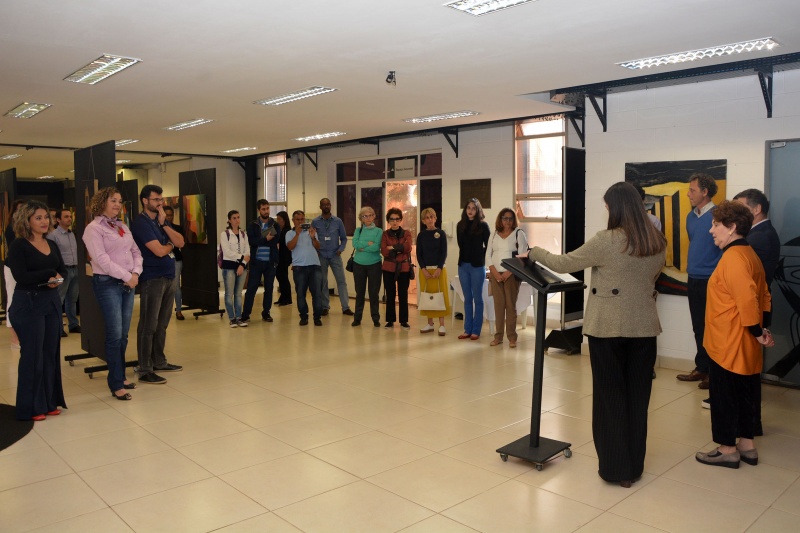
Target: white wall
(483, 153)
(712, 120)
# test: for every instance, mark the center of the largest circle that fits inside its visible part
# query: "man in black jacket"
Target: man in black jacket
(263, 234)
(762, 237)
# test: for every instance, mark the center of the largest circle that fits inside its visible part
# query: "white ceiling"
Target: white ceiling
(212, 59)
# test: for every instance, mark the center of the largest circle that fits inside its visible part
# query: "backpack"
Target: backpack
(219, 251)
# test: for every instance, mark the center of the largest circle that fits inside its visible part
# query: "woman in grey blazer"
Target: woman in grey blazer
(621, 323)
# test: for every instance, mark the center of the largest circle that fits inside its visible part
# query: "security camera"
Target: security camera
(391, 79)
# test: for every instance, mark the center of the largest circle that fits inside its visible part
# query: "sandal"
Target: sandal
(125, 397)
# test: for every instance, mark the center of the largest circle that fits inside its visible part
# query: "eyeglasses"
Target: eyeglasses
(156, 200)
(507, 218)
(367, 216)
(395, 219)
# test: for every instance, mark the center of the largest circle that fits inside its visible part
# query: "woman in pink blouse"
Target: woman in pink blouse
(116, 265)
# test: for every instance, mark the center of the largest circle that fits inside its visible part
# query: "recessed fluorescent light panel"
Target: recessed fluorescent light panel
(693, 55)
(482, 7)
(234, 150)
(320, 136)
(26, 110)
(45, 177)
(443, 116)
(299, 95)
(123, 161)
(189, 124)
(101, 68)
(123, 142)
(10, 156)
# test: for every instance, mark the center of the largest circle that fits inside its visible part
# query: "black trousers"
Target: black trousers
(736, 405)
(396, 286)
(697, 310)
(622, 376)
(361, 275)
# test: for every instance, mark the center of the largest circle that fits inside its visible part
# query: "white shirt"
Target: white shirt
(500, 248)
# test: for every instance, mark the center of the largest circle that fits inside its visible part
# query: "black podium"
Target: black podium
(534, 448)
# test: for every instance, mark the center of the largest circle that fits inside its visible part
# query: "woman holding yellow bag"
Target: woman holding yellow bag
(431, 256)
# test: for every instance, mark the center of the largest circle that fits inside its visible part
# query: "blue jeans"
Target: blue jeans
(335, 263)
(233, 293)
(68, 292)
(472, 279)
(178, 293)
(116, 304)
(155, 310)
(308, 278)
(259, 269)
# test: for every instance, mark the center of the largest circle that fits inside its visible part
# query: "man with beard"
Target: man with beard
(332, 241)
(263, 235)
(157, 240)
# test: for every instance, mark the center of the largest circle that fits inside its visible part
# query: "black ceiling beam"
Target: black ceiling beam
(447, 133)
(602, 114)
(308, 153)
(580, 129)
(765, 79)
(376, 142)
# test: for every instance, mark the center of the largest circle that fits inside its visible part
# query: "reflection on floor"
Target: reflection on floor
(278, 427)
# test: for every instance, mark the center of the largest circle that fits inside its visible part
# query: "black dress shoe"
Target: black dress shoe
(347, 312)
(76, 329)
(325, 312)
(356, 323)
(63, 333)
(317, 322)
(303, 321)
(267, 318)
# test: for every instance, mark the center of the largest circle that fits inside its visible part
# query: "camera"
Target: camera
(305, 226)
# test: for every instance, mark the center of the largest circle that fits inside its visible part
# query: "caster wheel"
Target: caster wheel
(504, 457)
(72, 363)
(567, 453)
(539, 467)
(91, 376)
(197, 317)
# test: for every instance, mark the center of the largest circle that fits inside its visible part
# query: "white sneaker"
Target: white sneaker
(427, 329)
(233, 323)
(442, 331)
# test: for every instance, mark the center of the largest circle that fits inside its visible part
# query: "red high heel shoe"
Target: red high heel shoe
(54, 412)
(38, 418)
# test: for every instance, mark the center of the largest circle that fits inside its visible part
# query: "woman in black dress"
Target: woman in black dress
(38, 268)
(284, 261)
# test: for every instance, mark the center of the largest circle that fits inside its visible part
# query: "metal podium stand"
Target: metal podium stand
(532, 447)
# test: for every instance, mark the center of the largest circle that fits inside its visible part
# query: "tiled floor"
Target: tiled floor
(279, 427)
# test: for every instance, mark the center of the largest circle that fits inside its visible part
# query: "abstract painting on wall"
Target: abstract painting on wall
(194, 219)
(665, 184)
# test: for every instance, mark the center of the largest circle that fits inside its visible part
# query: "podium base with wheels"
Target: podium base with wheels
(92, 369)
(547, 449)
(568, 340)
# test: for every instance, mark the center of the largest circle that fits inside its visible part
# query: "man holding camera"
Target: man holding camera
(302, 241)
(263, 235)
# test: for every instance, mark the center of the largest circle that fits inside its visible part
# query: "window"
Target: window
(275, 180)
(539, 181)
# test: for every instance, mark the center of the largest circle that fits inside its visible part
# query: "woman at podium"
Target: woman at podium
(621, 324)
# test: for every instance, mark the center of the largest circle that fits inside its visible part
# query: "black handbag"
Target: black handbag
(349, 265)
(411, 267)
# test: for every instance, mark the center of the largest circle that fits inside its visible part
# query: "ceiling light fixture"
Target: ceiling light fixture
(443, 116)
(101, 68)
(308, 92)
(45, 177)
(123, 161)
(482, 7)
(234, 150)
(26, 110)
(320, 136)
(123, 142)
(189, 124)
(704, 53)
(10, 156)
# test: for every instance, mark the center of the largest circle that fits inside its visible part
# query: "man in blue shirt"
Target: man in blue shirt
(303, 242)
(157, 240)
(701, 262)
(68, 291)
(263, 234)
(332, 241)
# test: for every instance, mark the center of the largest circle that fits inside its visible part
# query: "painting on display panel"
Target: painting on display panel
(194, 219)
(665, 184)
